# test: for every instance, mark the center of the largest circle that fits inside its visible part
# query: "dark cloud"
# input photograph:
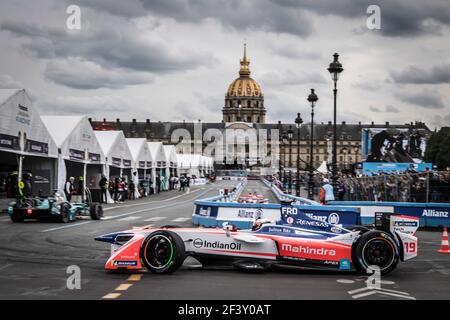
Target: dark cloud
(398, 18)
(123, 48)
(80, 74)
(416, 75)
(374, 109)
(261, 15)
(392, 109)
(424, 99)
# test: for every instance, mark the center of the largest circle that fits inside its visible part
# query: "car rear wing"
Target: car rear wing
(392, 222)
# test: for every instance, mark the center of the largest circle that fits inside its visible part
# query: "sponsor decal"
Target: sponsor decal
(406, 223)
(279, 229)
(23, 115)
(116, 161)
(344, 264)
(250, 213)
(200, 243)
(333, 218)
(290, 220)
(94, 157)
(125, 263)
(434, 213)
(204, 211)
(9, 142)
(126, 163)
(141, 164)
(307, 250)
(75, 154)
(336, 230)
(36, 147)
(313, 223)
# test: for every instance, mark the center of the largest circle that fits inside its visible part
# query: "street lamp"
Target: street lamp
(280, 137)
(335, 69)
(285, 139)
(290, 135)
(313, 99)
(298, 124)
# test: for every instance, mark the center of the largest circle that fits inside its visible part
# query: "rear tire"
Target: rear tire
(375, 248)
(64, 211)
(163, 252)
(16, 219)
(96, 211)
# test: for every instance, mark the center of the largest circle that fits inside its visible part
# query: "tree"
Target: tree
(438, 148)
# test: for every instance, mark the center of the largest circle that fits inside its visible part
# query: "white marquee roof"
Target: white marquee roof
(18, 115)
(74, 133)
(114, 145)
(140, 151)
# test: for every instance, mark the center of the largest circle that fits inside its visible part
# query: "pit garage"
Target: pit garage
(118, 158)
(159, 170)
(27, 151)
(142, 161)
(170, 169)
(80, 155)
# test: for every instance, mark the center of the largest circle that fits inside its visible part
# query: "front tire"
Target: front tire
(375, 248)
(163, 252)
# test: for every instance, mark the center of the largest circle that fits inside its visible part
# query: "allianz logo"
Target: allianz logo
(307, 250)
(200, 243)
(434, 213)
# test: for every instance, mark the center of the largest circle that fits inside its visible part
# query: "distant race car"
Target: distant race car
(54, 208)
(295, 242)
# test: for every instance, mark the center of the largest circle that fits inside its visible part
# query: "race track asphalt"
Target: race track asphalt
(34, 257)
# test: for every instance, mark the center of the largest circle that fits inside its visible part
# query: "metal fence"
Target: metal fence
(407, 187)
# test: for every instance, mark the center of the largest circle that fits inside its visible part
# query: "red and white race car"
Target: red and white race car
(295, 242)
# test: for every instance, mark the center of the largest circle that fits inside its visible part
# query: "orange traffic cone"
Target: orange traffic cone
(444, 244)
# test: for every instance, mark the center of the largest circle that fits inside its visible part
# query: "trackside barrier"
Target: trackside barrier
(430, 214)
(281, 196)
(214, 211)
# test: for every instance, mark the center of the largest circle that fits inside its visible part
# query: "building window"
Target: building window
(249, 119)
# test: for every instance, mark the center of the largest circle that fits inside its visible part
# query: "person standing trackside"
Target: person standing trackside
(69, 188)
(103, 184)
(158, 184)
(326, 192)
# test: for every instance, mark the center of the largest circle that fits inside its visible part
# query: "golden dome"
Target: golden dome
(244, 86)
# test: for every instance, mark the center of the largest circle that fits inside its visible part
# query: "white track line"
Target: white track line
(156, 201)
(67, 226)
(129, 218)
(180, 219)
(155, 219)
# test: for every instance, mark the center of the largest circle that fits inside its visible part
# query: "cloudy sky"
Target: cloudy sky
(172, 60)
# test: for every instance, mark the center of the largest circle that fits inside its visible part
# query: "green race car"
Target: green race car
(54, 208)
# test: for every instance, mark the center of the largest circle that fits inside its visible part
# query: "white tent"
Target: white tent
(25, 143)
(323, 167)
(159, 158)
(78, 146)
(142, 159)
(189, 164)
(171, 163)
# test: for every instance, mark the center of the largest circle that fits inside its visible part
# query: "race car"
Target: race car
(53, 208)
(295, 242)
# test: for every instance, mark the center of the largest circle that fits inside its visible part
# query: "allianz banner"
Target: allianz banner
(432, 216)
